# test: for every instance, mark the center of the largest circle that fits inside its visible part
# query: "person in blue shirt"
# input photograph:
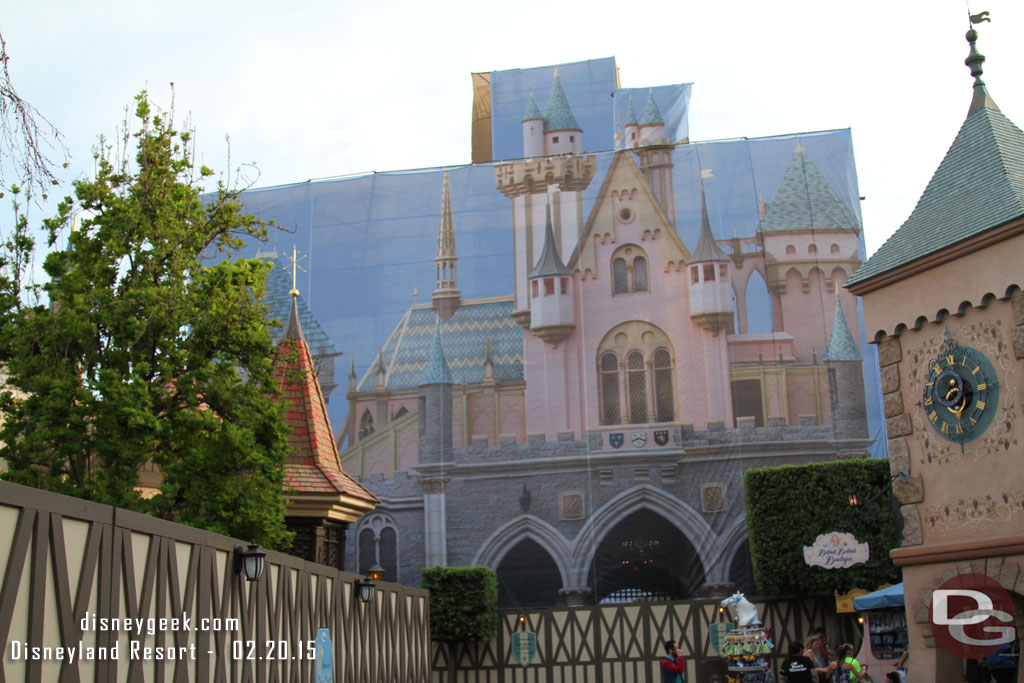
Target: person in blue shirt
(1001, 665)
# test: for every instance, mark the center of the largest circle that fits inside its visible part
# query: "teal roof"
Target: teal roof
(978, 185)
(436, 371)
(806, 201)
(651, 115)
(841, 345)
(557, 114)
(549, 262)
(279, 283)
(532, 111)
(463, 342)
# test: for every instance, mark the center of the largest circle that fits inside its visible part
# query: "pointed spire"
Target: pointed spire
(381, 371)
(841, 345)
(974, 60)
(631, 119)
(446, 294)
(352, 374)
(436, 371)
(557, 114)
(651, 115)
(488, 361)
(294, 330)
(549, 263)
(707, 249)
(532, 110)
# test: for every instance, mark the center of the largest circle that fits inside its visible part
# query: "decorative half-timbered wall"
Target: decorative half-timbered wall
(624, 643)
(64, 559)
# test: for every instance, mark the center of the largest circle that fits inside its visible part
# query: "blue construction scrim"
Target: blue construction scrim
(672, 101)
(589, 87)
(370, 244)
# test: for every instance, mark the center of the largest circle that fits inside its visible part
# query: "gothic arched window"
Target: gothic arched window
(663, 403)
(639, 390)
(610, 411)
(630, 274)
(636, 378)
(366, 425)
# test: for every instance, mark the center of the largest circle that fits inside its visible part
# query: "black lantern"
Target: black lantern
(375, 573)
(366, 588)
(250, 561)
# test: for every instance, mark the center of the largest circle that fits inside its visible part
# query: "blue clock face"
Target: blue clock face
(961, 394)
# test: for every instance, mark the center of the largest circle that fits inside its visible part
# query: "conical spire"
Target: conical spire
(841, 345)
(557, 114)
(488, 361)
(651, 116)
(707, 249)
(532, 110)
(446, 293)
(974, 60)
(550, 263)
(436, 371)
(631, 119)
(294, 329)
(352, 374)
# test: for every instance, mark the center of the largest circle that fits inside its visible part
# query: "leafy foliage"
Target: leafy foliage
(789, 506)
(147, 357)
(463, 603)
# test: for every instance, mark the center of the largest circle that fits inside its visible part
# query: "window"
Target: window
(709, 272)
(565, 285)
(663, 386)
(790, 249)
(834, 249)
(536, 291)
(630, 273)
(554, 139)
(636, 377)
(640, 274)
(694, 275)
(723, 271)
(620, 277)
(609, 380)
(812, 248)
(366, 425)
(572, 138)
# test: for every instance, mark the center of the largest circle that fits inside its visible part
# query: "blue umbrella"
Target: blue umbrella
(886, 597)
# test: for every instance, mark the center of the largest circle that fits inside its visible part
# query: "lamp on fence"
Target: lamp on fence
(366, 588)
(250, 561)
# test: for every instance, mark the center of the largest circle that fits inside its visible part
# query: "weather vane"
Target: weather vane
(978, 18)
(295, 267)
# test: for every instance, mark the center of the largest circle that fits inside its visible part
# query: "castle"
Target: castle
(586, 434)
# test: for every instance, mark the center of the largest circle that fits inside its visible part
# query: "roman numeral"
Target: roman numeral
(933, 416)
(981, 405)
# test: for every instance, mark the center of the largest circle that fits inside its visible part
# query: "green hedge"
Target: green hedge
(788, 506)
(463, 603)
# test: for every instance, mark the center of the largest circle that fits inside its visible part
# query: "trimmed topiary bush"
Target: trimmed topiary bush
(463, 603)
(789, 506)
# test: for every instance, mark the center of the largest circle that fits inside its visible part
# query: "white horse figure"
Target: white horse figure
(746, 612)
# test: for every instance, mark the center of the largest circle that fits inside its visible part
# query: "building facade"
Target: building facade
(942, 299)
(586, 434)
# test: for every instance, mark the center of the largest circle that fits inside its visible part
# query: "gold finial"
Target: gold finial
(294, 292)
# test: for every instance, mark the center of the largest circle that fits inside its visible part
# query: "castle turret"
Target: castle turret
(446, 293)
(533, 130)
(710, 279)
(557, 179)
(845, 380)
(551, 295)
(654, 152)
(562, 134)
(435, 439)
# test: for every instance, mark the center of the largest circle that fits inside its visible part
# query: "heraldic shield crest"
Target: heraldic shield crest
(661, 436)
(615, 439)
(639, 439)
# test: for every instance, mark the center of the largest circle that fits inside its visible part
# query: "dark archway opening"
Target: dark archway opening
(741, 570)
(645, 557)
(528, 577)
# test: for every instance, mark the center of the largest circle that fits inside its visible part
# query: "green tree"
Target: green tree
(147, 355)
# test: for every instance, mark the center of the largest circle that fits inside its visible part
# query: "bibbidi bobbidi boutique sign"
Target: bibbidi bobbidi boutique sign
(836, 550)
(143, 644)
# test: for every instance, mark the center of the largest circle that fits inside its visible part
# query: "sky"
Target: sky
(329, 89)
